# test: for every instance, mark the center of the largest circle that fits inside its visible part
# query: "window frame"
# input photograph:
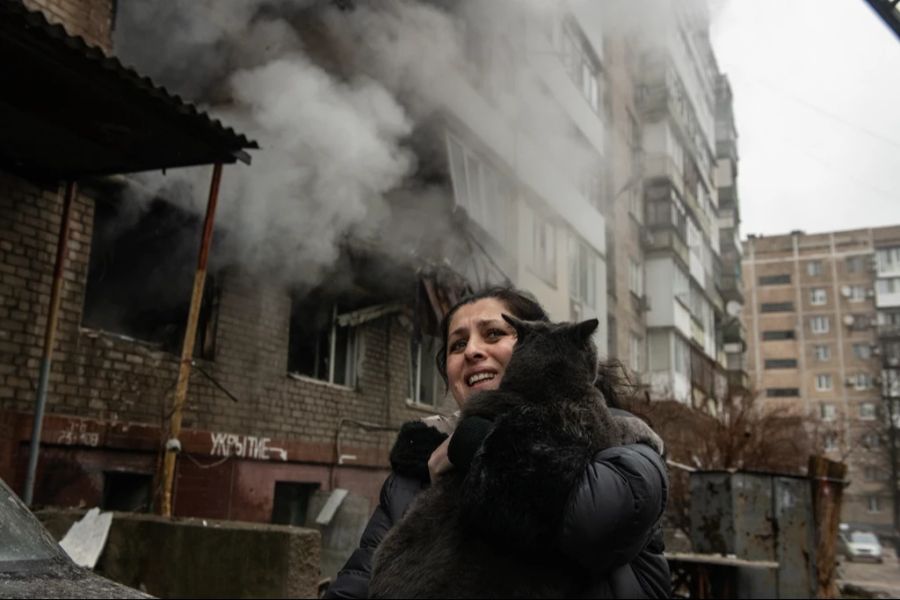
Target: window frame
(814, 268)
(583, 276)
(816, 299)
(870, 415)
(542, 257)
(351, 356)
(824, 382)
(869, 504)
(819, 330)
(422, 347)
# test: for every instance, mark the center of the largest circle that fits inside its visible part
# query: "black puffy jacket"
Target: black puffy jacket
(611, 526)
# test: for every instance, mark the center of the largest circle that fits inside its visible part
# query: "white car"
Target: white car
(861, 545)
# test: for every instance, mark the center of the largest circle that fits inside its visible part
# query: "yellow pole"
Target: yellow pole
(187, 348)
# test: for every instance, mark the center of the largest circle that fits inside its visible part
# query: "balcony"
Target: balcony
(661, 166)
(734, 332)
(707, 376)
(732, 288)
(668, 239)
(738, 381)
(889, 330)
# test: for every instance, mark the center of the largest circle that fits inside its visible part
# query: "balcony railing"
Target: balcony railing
(738, 380)
(667, 239)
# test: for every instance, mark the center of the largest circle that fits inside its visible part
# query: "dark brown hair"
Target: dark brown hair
(520, 305)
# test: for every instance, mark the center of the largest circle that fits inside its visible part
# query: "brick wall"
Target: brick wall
(117, 388)
(89, 19)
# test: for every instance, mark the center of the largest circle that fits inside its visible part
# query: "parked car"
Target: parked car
(860, 545)
(33, 565)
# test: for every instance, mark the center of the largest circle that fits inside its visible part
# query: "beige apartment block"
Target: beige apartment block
(814, 347)
(624, 212)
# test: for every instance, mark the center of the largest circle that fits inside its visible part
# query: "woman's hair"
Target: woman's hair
(519, 304)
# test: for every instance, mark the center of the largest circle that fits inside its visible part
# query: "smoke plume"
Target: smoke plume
(333, 98)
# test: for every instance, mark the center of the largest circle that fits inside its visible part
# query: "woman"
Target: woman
(610, 527)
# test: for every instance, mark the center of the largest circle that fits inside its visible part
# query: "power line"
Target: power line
(834, 169)
(824, 112)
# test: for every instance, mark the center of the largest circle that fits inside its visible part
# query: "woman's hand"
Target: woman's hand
(439, 463)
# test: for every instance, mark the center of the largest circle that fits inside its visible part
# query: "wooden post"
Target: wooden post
(187, 349)
(827, 481)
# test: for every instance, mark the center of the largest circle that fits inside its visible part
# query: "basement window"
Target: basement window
(141, 275)
(291, 502)
(319, 348)
(129, 492)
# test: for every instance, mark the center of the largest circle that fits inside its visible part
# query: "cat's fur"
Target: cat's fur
(491, 531)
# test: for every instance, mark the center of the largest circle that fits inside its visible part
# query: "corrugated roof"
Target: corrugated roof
(67, 109)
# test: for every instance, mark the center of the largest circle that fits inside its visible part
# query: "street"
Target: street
(877, 577)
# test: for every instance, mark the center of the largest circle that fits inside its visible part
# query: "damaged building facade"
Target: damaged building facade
(556, 151)
(296, 391)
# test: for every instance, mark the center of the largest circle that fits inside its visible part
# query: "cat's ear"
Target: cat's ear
(585, 329)
(520, 326)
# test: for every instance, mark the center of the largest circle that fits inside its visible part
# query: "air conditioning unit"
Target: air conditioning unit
(850, 381)
(848, 320)
(870, 293)
(893, 361)
(846, 291)
(876, 350)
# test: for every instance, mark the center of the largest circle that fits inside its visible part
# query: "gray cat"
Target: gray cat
(490, 531)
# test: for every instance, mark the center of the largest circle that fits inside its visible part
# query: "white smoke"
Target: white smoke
(333, 106)
(330, 148)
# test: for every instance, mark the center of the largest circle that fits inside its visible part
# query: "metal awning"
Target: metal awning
(67, 110)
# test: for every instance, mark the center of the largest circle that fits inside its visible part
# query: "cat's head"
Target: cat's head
(564, 352)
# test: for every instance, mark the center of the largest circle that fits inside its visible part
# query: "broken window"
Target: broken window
(319, 347)
(141, 275)
(291, 502)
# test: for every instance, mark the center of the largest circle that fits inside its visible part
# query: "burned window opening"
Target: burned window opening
(141, 273)
(320, 348)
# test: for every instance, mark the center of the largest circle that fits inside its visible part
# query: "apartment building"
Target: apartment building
(676, 101)
(296, 393)
(546, 229)
(731, 330)
(816, 331)
(624, 206)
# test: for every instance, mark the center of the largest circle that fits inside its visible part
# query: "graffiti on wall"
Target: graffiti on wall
(77, 434)
(245, 446)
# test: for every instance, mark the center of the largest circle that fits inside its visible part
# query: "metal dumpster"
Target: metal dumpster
(759, 517)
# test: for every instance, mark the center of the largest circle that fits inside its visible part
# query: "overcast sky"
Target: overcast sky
(817, 104)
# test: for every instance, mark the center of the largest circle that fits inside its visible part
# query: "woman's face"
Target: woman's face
(479, 346)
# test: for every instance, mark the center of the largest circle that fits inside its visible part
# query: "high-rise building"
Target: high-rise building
(676, 285)
(819, 312)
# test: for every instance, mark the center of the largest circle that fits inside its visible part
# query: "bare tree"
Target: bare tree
(738, 433)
